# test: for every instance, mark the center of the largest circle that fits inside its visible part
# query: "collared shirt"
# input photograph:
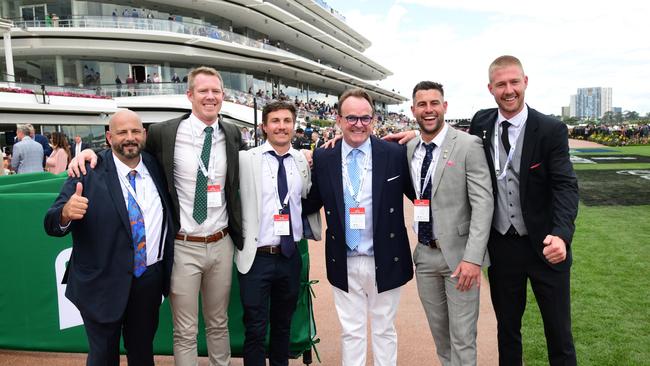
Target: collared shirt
(365, 196)
(517, 123)
(416, 167)
(149, 202)
(187, 152)
(269, 202)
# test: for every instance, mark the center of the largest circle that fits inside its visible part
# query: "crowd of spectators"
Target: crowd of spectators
(630, 134)
(51, 150)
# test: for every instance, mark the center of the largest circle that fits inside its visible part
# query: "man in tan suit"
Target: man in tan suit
(453, 214)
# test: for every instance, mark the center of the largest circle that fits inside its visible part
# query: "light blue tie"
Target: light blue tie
(352, 236)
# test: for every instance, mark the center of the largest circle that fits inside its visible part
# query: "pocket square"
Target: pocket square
(535, 166)
(393, 178)
(451, 163)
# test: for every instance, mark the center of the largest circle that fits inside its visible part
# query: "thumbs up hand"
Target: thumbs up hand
(76, 207)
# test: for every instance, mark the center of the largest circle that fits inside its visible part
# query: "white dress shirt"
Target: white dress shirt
(517, 123)
(149, 202)
(365, 196)
(270, 200)
(187, 152)
(416, 168)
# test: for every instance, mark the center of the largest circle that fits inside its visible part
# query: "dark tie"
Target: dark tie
(425, 229)
(138, 232)
(200, 211)
(504, 136)
(287, 245)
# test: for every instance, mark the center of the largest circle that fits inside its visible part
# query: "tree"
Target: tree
(631, 115)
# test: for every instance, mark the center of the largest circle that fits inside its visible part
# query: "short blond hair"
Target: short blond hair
(503, 61)
(202, 70)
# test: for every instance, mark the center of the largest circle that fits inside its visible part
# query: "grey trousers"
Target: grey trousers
(452, 314)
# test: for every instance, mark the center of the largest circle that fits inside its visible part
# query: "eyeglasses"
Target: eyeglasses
(365, 120)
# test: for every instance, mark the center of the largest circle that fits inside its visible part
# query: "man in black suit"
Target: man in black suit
(536, 203)
(361, 183)
(120, 216)
(78, 146)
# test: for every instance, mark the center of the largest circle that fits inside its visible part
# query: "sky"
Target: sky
(563, 46)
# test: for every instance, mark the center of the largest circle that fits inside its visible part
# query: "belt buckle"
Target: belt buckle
(274, 249)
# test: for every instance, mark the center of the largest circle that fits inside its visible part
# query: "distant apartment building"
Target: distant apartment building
(592, 103)
(566, 112)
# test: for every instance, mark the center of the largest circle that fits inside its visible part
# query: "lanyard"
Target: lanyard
(501, 174)
(139, 200)
(207, 172)
(427, 177)
(348, 183)
(280, 205)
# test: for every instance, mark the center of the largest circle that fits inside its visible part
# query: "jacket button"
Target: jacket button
(333, 238)
(391, 210)
(392, 235)
(327, 212)
(333, 260)
(396, 259)
(129, 272)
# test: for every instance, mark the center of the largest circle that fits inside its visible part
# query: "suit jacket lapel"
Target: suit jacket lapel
(256, 163)
(336, 181)
(115, 191)
(168, 145)
(445, 152)
(379, 168)
(528, 146)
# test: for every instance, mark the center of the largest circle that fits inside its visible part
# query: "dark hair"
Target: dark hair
(277, 105)
(357, 93)
(428, 85)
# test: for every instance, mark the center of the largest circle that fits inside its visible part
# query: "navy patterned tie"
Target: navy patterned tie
(425, 229)
(287, 245)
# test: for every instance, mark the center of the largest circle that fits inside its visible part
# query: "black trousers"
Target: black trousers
(269, 291)
(514, 262)
(138, 325)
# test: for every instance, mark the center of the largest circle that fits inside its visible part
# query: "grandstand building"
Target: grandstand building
(68, 64)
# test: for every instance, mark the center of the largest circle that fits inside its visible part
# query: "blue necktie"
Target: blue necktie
(352, 236)
(138, 232)
(200, 211)
(287, 245)
(425, 229)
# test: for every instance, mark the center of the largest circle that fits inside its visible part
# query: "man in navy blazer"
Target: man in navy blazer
(115, 291)
(361, 183)
(535, 206)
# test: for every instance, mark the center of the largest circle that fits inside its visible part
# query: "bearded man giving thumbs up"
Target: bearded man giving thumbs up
(122, 244)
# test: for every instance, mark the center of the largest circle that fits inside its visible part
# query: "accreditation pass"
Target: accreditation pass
(421, 211)
(358, 218)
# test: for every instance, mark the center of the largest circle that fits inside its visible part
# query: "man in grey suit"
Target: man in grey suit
(199, 153)
(452, 213)
(27, 156)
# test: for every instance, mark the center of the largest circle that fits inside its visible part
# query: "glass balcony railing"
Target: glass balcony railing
(160, 25)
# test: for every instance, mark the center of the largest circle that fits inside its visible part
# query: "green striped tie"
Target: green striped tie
(200, 212)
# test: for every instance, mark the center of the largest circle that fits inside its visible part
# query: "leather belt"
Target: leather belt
(434, 244)
(204, 239)
(269, 249)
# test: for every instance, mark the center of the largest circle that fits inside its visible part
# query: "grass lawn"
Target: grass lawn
(610, 284)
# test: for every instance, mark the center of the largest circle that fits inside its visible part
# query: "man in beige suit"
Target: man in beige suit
(273, 180)
(453, 215)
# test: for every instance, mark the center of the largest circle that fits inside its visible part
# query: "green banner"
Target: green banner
(34, 313)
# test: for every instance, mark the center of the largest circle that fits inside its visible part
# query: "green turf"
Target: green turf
(609, 289)
(630, 150)
(628, 166)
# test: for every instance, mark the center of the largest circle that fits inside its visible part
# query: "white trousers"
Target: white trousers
(354, 307)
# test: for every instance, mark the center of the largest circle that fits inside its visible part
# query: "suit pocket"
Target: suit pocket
(463, 229)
